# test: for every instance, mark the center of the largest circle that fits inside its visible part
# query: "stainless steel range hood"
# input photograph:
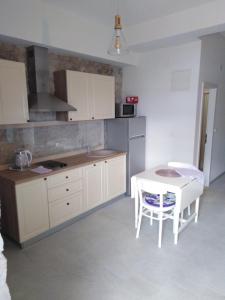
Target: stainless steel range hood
(40, 100)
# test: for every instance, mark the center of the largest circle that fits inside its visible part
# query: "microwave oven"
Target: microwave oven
(126, 110)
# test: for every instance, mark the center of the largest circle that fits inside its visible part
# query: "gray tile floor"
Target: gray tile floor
(99, 258)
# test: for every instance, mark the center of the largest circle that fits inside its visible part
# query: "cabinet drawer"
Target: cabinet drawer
(64, 190)
(65, 209)
(64, 177)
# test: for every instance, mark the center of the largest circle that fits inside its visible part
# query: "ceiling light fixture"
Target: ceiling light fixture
(118, 44)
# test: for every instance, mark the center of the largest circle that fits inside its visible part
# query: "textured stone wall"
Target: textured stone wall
(61, 62)
(44, 141)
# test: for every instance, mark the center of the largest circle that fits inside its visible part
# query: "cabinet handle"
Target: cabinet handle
(45, 178)
(93, 118)
(67, 203)
(105, 161)
(71, 119)
(67, 177)
(94, 165)
(67, 190)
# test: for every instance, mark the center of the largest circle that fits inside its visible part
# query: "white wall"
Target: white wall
(171, 115)
(183, 26)
(212, 70)
(37, 22)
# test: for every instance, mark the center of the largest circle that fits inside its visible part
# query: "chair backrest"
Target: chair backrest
(177, 164)
(151, 188)
(184, 167)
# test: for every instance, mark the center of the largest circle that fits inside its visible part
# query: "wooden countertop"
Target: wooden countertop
(75, 161)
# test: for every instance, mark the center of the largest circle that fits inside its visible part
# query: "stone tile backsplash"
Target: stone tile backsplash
(44, 141)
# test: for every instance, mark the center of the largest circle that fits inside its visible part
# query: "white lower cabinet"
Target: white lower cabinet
(65, 195)
(64, 209)
(104, 181)
(115, 177)
(94, 185)
(32, 208)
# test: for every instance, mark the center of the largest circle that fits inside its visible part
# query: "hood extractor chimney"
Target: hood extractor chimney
(40, 100)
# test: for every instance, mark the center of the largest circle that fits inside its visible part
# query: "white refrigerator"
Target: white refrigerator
(128, 134)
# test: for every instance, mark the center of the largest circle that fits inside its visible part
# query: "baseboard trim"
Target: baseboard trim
(57, 228)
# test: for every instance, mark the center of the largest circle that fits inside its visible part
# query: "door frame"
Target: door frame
(212, 88)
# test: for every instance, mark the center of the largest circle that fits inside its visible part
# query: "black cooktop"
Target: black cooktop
(52, 164)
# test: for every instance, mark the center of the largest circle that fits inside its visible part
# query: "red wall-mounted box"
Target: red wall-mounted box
(132, 99)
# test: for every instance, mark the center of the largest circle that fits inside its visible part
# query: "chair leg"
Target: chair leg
(139, 223)
(182, 214)
(196, 209)
(176, 227)
(160, 230)
(189, 210)
(151, 220)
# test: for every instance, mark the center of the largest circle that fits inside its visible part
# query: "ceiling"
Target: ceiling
(132, 11)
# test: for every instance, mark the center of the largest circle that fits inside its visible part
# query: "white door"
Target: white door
(32, 208)
(115, 175)
(209, 134)
(94, 185)
(13, 93)
(103, 92)
(78, 95)
(208, 105)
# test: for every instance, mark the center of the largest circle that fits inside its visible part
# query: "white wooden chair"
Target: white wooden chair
(159, 210)
(181, 165)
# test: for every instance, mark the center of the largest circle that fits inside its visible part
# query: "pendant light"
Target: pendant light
(118, 44)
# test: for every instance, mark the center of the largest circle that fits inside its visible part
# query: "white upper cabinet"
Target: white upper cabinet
(92, 95)
(78, 95)
(103, 95)
(13, 93)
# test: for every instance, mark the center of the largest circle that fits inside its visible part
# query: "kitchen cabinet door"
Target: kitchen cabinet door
(94, 185)
(32, 208)
(78, 95)
(13, 93)
(65, 208)
(115, 176)
(103, 93)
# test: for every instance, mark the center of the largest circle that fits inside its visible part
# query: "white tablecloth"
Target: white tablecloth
(188, 188)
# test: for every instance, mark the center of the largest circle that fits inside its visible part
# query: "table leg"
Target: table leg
(176, 227)
(136, 208)
(176, 216)
(196, 209)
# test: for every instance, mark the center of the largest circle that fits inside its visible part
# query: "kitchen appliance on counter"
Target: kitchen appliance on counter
(52, 164)
(128, 134)
(23, 159)
(126, 110)
(132, 99)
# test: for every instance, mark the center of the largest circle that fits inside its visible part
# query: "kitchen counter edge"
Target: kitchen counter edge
(73, 162)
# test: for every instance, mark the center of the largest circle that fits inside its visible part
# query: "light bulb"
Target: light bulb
(118, 44)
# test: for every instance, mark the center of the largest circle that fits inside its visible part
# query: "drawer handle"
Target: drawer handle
(67, 190)
(94, 165)
(67, 177)
(45, 178)
(92, 118)
(67, 203)
(105, 161)
(71, 119)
